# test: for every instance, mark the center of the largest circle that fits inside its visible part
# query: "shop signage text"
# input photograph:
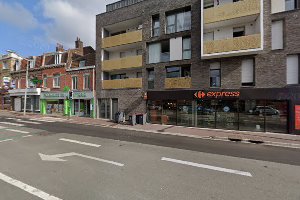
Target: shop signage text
(54, 95)
(82, 95)
(212, 94)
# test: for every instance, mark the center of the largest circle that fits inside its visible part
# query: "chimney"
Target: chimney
(59, 48)
(79, 45)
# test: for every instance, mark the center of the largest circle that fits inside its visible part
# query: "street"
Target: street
(52, 159)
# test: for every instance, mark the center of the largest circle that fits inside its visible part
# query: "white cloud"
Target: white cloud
(17, 15)
(72, 18)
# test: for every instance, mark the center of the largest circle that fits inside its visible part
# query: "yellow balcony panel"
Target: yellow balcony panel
(231, 10)
(123, 63)
(233, 44)
(131, 83)
(178, 83)
(122, 39)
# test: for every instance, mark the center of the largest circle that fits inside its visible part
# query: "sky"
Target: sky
(33, 27)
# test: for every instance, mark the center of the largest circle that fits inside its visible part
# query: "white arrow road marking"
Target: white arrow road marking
(27, 188)
(58, 157)
(17, 131)
(13, 124)
(78, 142)
(220, 169)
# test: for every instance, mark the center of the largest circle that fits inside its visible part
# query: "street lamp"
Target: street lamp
(26, 87)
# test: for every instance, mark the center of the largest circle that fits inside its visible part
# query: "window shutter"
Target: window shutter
(176, 48)
(293, 69)
(248, 71)
(277, 35)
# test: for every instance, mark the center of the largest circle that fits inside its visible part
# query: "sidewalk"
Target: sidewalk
(274, 139)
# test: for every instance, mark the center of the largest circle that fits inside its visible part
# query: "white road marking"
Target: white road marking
(10, 118)
(78, 142)
(58, 157)
(27, 188)
(26, 136)
(13, 124)
(28, 122)
(17, 131)
(2, 127)
(41, 120)
(220, 169)
(6, 140)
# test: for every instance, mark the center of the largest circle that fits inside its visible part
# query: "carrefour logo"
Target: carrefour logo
(212, 94)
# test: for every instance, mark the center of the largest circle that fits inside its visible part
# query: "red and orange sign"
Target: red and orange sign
(211, 94)
(297, 117)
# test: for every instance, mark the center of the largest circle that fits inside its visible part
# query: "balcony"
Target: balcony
(178, 83)
(231, 10)
(123, 63)
(131, 83)
(122, 39)
(233, 44)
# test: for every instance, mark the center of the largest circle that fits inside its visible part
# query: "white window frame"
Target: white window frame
(58, 58)
(31, 64)
(248, 67)
(292, 69)
(45, 81)
(82, 63)
(56, 77)
(74, 78)
(277, 35)
(84, 82)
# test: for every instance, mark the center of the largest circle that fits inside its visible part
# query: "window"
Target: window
(208, 4)
(5, 65)
(18, 65)
(87, 81)
(74, 83)
(56, 81)
(248, 72)
(186, 48)
(215, 75)
(165, 51)
(151, 77)
(31, 64)
(118, 76)
(139, 74)
(180, 21)
(177, 72)
(291, 4)
(82, 63)
(277, 35)
(154, 53)
(239, 31)
(293, 69)
(45, 79)
(155, 26)
(58, 58)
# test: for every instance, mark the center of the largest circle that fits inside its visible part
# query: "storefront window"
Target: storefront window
(276, 116)
(252, 115)
(227, 114)
(185, 115)
(169, 114)
(154, 112)
(206, 114)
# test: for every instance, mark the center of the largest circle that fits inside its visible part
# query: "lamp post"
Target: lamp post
(26, 88)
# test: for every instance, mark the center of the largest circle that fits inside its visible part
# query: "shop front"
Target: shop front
(17, 97)
(83, 104)
(5, 102)
(55, 103)
(258, 110)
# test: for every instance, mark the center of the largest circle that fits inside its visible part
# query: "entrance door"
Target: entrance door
(115, 107)
(18, 103)
(104, 108)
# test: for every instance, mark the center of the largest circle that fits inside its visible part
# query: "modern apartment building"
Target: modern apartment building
(222, 64)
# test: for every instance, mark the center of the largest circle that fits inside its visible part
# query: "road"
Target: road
(50, 159)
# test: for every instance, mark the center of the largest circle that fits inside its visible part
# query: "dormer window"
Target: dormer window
(58, 58)
(31, 64)
(82, 63)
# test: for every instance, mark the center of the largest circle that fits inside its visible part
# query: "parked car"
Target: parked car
(266, 110)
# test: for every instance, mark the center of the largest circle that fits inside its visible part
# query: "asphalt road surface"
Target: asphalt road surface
(50, 159)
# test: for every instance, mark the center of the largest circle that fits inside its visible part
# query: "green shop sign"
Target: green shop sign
(82, 95)
(54, 95)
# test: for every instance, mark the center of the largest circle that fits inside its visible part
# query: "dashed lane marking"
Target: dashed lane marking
(17, 131)
(28, 122)
(27, 188)
(7, 140)
(12, 124)
(220, 169)
(79, 142)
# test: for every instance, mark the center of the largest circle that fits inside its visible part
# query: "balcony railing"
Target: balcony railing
(131, 83)
(231, 10)
(122, 39)
(178, 83)
(233, 44)
(123, 63)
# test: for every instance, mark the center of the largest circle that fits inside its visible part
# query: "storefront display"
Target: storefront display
(56, 103)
